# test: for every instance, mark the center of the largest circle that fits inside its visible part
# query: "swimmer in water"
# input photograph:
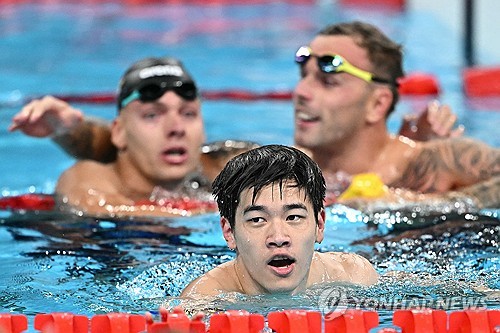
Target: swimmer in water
(342, 104)
(348, 87)
(157, 133)
(271, 203)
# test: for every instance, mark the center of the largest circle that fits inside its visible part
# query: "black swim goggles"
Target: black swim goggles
(151, 92)
(335, 63)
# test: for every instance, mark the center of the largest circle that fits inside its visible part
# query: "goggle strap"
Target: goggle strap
(380, 80)
(360, 73)
(130, 98)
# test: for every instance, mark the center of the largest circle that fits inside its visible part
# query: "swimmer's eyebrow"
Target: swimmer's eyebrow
(252, 208)
(295, 206)
(261, 208)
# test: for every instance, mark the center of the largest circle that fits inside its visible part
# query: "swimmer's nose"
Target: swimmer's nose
(304, 88)
(278, 235)
(301, 90)
(175, 126)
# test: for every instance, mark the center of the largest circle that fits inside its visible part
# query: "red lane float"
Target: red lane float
(29, 201)
(419, 83)
(424, 320)
(236, 321)
(176, 322)
(118, 323)
(481, 81)
(12, 323)
(351, 321)
(391, 4)
(471, 321)
(286, 321)
(295, 321)
(61, 323)
(46, 202)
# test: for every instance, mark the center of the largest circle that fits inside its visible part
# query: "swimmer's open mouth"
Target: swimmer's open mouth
(281, 261)
(175, 155)
(175, 151)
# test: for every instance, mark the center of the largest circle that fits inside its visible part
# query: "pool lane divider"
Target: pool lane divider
(29, 202)
(398, 5)
(241, 321)
(46, 202)
(413, 84)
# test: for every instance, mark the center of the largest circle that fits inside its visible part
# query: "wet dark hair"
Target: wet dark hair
(385, 55)
(263, 166)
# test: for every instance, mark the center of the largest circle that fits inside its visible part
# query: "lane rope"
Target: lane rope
(416, 84)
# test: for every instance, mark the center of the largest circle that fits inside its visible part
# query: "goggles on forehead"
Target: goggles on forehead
(336, 64)
(153, 91)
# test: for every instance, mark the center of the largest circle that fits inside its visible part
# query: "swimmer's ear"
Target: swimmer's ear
(228, 233)
(379, 104)
(118, 136)
(320, 228)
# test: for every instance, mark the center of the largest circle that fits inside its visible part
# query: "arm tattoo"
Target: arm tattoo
(90, 140)
(487, 193)
(464, 161)
(78, 142)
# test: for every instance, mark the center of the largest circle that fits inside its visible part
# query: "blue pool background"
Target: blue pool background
(127, 265)
(84, 49)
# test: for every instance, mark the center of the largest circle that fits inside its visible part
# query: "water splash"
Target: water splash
(170, 278)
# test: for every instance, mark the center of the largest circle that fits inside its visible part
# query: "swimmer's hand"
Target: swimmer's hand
(436, 121)
(44, 117)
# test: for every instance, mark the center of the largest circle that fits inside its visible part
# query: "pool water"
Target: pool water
(54, 263)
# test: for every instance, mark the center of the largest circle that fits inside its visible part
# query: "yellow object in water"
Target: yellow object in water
(365, 185)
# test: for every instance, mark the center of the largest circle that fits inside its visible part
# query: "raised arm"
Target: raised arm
(91, 139)
(79, 137)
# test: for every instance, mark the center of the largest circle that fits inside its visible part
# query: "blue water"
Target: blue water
(89, 266)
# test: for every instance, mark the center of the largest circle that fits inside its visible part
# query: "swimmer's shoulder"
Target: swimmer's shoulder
(348, 267)
(88, 174)
(90, 168)
(220, 279)
(449, 164)
(215, 155)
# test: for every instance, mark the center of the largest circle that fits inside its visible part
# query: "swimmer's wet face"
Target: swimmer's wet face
(274, 236)
(159, 129)
(271, 202)
(161, 139)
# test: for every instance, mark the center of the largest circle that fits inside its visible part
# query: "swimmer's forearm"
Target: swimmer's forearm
(89, 140)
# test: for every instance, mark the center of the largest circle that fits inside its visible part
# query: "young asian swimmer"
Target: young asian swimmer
(271, 203)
